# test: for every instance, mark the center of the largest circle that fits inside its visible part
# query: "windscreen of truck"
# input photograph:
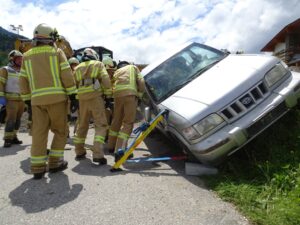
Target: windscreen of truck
(180, 69)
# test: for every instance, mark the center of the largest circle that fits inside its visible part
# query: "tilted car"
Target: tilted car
(218, 102)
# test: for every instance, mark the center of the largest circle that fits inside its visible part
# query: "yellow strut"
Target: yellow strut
(141, 137)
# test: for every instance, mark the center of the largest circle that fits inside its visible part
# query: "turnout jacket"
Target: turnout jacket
(9, 83)
(46, 76)
(128, 81)
(92, 80)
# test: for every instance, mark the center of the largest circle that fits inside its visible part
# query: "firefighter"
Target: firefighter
(110, 68)
(46, 81)
(10, 90)
(73, 61)
(92, 81)
(128, 86)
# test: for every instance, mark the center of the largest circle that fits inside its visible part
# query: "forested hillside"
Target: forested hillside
(7, 41)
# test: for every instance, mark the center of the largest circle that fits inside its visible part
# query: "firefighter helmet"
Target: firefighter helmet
(90, 54)
(108, 62)
(122, 64)
(13, 54)
(73, 60)
(45, 32)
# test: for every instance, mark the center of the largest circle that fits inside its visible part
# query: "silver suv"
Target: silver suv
(218, 102)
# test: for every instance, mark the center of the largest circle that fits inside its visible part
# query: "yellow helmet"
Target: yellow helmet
(73, 60)
(91, 54)
(13, 54)
(108, 62)
(44, 32)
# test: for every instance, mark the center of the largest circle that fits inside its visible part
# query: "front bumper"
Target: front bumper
(232, 137)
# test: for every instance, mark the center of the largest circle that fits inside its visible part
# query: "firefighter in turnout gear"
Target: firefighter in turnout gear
(128, 86)
(110, 68)
(46, 81)
(73, 61)
(92, 81)
(10, 90)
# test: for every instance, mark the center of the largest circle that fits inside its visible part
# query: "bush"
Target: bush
(263, 178)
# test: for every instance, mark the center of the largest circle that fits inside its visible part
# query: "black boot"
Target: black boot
(80, 157)
(119, 156)
(7, 143)
(38, 176)
(101, 161)
(111, 150)
(16, 141)
(61, 167)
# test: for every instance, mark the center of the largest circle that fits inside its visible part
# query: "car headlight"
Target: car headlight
(275, 74)
(202, 127)
(190, 133)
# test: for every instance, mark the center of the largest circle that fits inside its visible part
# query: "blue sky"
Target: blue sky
(142, 30)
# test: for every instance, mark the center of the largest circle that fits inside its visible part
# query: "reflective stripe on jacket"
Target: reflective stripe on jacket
(92, 80)
(9, 83)
(128, 81)
(46, 76)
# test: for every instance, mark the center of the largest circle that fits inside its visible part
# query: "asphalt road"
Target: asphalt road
(144, 193)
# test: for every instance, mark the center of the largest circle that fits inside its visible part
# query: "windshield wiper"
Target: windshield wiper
(198, 72)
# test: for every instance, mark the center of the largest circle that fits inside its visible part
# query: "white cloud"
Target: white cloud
(141, 31)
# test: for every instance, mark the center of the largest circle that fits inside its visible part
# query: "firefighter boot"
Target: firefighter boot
(101, 161)
(7, 143)
(38, 176)
(16, 141)
(63, 165)
(98, 155)
(80, 157)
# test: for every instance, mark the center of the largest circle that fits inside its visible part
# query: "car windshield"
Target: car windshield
(180, 69)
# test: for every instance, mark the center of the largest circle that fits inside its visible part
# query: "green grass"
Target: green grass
(263, 178)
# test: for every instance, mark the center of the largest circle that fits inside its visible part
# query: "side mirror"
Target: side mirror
(147, 114)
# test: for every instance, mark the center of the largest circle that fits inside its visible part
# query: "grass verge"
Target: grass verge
(263, 178)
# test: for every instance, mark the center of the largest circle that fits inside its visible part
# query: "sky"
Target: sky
(141, 31)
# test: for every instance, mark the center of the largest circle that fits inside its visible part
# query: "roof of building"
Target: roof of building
(280, 37)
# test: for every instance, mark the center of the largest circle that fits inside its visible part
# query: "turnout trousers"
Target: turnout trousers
(14, 111)
(91, 108)
(122, 122)
(44, 118)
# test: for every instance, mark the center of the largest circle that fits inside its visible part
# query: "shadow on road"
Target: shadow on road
(38, 195)
(159, 146)
(87, 168)
(12, 150)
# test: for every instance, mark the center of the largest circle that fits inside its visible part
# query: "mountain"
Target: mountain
(8, 39)
(7, 43)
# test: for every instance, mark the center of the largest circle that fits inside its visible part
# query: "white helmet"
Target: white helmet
(13, 54)
(73, 60)
(44, 31)
(91, 54)
(108, 62)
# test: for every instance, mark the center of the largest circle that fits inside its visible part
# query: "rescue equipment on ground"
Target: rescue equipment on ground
(142, 132)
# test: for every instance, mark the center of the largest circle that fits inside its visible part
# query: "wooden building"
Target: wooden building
(286, 44)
